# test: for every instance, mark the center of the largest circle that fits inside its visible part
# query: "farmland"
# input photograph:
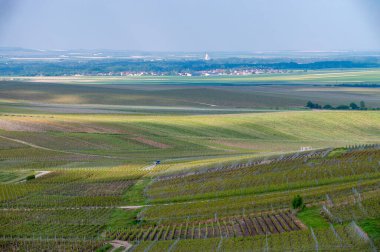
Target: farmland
(171, 94)
(319, 77)
(77, 166)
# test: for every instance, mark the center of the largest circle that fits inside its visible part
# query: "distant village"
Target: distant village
(211, 72)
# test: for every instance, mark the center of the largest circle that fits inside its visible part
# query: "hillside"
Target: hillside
(224, 180)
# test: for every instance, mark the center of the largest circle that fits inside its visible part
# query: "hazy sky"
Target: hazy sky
(191, 25)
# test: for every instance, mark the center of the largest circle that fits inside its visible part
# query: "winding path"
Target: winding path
(42, 173)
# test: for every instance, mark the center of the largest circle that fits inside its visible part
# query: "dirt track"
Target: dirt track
(118, 244)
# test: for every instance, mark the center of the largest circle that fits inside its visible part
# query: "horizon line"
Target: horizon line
(186, 51)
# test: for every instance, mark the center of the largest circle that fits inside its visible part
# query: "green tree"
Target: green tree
(343, 107)
(309, 104)
(362, 105)
(297, 202)
(354, 106)
(30, 177)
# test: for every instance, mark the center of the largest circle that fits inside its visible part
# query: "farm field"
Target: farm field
(112, 167)
(333, 76)
(187, 95)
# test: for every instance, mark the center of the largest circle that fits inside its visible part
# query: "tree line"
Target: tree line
(351, 106)
(166, 67)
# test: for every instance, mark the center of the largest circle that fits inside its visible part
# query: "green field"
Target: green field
(333, 76)
(77, 172)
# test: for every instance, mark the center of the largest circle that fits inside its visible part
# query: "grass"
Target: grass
(135, 195)
(337, 152)
(122, 218)
(190, 136)
(372, 228)
(14, 175)
(312, 217)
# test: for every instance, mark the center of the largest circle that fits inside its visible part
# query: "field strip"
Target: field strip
(49, 149)
(73, 208)
(207, 104)
(132, 207)
(135, 207)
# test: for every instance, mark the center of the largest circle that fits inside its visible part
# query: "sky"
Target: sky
(192, 25)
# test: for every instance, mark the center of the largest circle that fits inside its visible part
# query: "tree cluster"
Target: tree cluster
(166, 67)
(351, 106)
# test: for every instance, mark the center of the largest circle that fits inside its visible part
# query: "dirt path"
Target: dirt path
(131, 207)
(149, 168)
(49, 149)
(42, 173)
(118, 244)
(207, 104)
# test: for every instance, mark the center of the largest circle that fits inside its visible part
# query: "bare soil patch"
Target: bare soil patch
(44, 125)
(150, 142)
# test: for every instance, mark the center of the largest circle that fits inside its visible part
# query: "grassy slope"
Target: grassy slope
(196, 136)
(317, 127)
(187, 136)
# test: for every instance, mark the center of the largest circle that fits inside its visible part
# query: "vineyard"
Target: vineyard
(237, 226)
(334, 239)
(88, 183)
(342, 185)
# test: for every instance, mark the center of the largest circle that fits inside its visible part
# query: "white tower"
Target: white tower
(207, 57)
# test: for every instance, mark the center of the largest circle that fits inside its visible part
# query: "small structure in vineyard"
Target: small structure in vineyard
(306, 148)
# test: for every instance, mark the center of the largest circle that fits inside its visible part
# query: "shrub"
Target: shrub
(297, 202)
(353, 106)
(30, 177)
(343, 107)
(311, 105)
(328, 106)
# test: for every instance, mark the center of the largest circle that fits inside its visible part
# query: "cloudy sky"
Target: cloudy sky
(191, 25)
